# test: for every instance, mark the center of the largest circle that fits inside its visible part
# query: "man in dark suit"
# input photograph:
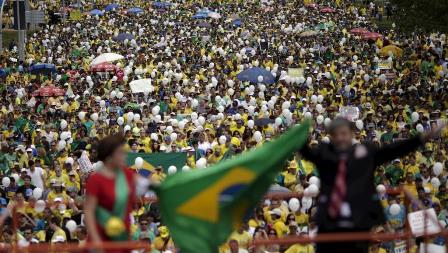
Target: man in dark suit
(348, 201)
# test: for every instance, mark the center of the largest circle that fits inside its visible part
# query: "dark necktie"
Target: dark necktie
(339, 190)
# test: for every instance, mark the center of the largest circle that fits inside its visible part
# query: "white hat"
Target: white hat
(58, 238)
(276, 211)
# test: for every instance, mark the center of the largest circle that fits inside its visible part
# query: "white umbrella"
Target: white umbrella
(107, 57)
(214, 15)
(141, 86)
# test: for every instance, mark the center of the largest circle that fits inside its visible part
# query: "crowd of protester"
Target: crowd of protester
(196, 104)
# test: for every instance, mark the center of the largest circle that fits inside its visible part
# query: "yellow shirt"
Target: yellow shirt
(244, 239)
(159, 244)
(299, 248)
(280, 228)
(157, 177)
(59, 232)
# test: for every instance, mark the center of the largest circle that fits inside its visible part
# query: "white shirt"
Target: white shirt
(36, 177)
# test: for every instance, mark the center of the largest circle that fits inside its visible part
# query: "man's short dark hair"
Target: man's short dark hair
(340, 122)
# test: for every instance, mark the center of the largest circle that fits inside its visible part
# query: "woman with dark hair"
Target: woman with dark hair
(110, 194)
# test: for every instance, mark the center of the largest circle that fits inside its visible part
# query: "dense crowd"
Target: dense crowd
(392, 85)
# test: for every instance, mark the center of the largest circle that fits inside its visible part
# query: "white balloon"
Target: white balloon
(308, 115)
(172, 170)
(71, 226)
(314, 180)
(313, 190)
(173, 136)
(222, 139)
(320, 119)
(437, 168)
(181, 125)
(39, 206)
(278, 121)
(201, 120)
(61, 145)
(415, 117)
(154, 137)
(130, 116)
(314, 98)
(294, 205)
(94, 117)
(120, 121)
(435, 183)
(155, 110)
(307, 202)
(381, 189)
(169, 129)
(201, 163)
(359, 124)
(186, 168)
(194, 103)
(327, 122)
(6, 182)
(420, 128)
(37, 193)
(63, 124)
(120, 95)
(81, 115)
(250, 124)
(394, 209)
(139, 162)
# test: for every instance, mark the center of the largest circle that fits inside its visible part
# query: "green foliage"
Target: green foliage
(428, 15)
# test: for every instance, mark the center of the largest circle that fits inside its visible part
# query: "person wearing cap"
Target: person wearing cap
(163, 241)
(158, 175)
(72, 182)
(278, 224)
(59, 235)
(57, 192)
(344, 206)
(110, 196)
(394, 172)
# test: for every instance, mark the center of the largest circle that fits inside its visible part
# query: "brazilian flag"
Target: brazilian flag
(202, 207)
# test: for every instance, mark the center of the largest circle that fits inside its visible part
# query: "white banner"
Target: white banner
(424, 221)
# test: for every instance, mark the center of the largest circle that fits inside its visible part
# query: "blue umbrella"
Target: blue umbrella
(200, 16)
(123, 36)
(112, 7)
(135, 10)
(3, 73)
(237, 22)
(252, 74)
(249, 50)
(43, 68)
(96, 12)
(162, 5)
